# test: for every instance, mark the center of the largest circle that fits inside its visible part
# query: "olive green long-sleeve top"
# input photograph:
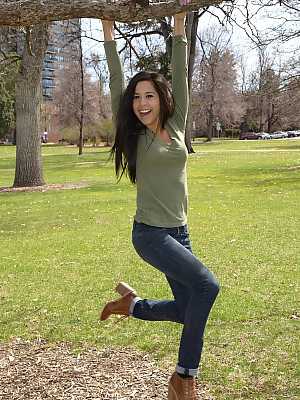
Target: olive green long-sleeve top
(160, 167)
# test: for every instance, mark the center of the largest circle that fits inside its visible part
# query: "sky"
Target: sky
(241, 44)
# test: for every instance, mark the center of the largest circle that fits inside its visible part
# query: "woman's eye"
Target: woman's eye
(149, 96)
(135, 97)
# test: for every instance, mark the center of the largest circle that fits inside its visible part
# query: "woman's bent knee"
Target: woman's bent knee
(214, 288)
(210, 286)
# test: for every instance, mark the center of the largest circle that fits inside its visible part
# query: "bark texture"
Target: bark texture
(81, 139)
(28, 104)
(31, 12)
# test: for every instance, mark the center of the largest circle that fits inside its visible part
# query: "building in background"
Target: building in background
(63, 47)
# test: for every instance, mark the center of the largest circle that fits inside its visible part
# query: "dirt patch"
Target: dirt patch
(44, 188)
(37, 370)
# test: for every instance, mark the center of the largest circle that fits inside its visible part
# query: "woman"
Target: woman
(150, 148)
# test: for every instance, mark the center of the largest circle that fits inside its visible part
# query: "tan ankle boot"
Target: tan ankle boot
(120, 306)
(182, 389)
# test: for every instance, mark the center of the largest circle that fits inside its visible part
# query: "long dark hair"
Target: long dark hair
(128, 126)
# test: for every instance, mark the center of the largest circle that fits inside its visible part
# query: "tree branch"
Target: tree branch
(31, 12)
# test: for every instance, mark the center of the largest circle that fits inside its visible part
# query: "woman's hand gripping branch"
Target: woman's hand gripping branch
(108, 30)
(179, 19)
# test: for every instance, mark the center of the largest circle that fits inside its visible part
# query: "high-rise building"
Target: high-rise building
(63, 47)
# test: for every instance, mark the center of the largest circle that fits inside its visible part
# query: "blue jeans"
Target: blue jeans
(194, 288)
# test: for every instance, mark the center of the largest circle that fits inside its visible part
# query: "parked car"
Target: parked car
(264, 136)
(294, 134)
(254, 136)
(248, 136)
(279, 135)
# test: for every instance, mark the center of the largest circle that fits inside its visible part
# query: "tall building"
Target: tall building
(63, 47)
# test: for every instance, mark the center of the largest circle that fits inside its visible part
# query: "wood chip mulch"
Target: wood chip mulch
(44, 188)
(37, 370)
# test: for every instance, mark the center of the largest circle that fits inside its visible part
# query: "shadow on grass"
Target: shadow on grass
(288, 146)
(280, 176)
(95, 156)
(259, 144)
(280, 182)
(112, 187)
(268, 177)
(6, 161)
(205, 142)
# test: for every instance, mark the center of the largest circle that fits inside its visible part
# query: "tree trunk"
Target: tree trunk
(210, 123)
(271, 113)
(81, 143)
(28, 104)
(261, 112)
(191, 31)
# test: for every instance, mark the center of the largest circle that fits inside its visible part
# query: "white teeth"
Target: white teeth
(144, 111)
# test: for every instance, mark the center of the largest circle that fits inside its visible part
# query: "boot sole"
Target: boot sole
(123, 288)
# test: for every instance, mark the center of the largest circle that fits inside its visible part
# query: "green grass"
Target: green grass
(63, 251)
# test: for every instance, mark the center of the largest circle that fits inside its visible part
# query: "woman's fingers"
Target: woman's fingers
(184, 2)
(107, 22)
(108, 29)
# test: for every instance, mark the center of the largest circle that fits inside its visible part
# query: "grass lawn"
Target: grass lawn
(63, 251)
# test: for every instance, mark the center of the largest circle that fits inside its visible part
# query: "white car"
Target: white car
(279, 135)
(264, 136)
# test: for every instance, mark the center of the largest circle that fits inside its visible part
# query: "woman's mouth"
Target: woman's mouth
(144, 113)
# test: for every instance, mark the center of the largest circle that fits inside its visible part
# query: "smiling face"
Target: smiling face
(146, 105)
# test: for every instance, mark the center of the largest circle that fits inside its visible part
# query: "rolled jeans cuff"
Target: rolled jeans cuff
(133, 303)
(186, 371)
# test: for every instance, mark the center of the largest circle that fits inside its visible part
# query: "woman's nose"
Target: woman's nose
(142, 101)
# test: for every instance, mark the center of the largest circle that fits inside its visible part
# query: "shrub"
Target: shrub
(94, 133)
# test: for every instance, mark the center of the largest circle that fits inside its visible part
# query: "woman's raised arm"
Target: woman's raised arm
(179, 72)
(116, 79)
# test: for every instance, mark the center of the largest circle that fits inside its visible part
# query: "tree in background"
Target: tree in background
(262, 93)
(67, 102)
(272, 94)
(99, 66)
(216, 99)
(289, 100)
(67, 97)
